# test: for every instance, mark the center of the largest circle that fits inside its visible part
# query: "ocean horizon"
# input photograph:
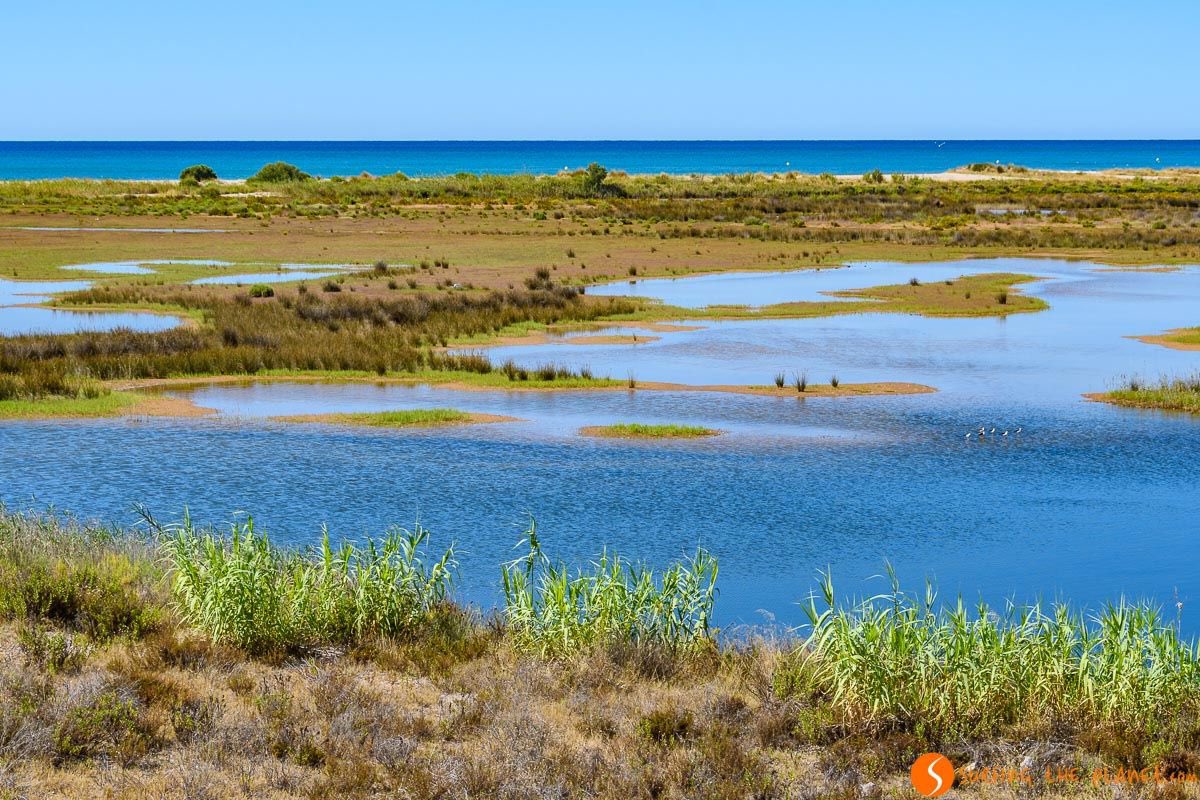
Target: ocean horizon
(163, 160)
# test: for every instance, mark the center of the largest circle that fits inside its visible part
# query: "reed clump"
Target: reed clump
(901, 662)
(554, 612)
(243, 591)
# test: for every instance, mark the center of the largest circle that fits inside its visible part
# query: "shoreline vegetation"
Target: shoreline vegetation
(196, 663)
(1177, 339)
(1165, 394)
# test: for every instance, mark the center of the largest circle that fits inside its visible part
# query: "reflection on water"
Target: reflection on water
(141, 267)
(1080, 345)
(16, 319)
(1088, 502)
(757, 289)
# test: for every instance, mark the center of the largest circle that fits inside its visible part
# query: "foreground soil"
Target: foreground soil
(174, 716)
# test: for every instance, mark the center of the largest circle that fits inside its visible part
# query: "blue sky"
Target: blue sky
(380, 69)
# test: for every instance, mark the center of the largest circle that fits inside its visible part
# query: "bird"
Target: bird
(1018, 430)
(1004, 434)
(993, 431)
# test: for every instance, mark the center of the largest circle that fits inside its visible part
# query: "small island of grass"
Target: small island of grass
(1167, 394)
(1177, 339)
(406, 418)
(637, 430)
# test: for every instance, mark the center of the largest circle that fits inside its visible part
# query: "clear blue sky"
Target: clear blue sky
(385, 69)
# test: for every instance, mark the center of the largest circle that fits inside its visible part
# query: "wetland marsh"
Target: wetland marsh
(782, 375)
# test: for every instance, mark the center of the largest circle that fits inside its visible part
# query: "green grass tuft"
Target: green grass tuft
(637, 430)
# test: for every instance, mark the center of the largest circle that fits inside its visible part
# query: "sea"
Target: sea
(151, 160)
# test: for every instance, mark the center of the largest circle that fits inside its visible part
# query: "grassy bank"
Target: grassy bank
(1178, 339)
(179, 662)
(1166, 394)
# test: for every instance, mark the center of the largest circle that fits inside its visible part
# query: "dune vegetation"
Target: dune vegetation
(198, 663)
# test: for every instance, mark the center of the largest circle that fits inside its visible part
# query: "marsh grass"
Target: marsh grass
(91, 579)
(553, 612)
(638, 430)
(243, 591)
(1167, 393)
(301, 332)
(405, 418)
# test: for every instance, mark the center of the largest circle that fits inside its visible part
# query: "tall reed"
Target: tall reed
(895, 660)
(552, 612)
(242, 590)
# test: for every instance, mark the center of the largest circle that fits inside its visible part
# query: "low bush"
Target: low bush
(198, 173)
(280, 172)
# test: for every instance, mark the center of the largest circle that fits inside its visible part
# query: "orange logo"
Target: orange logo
(932, 774)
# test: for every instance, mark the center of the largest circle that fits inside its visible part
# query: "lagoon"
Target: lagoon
(20, 315)
(1089, 501)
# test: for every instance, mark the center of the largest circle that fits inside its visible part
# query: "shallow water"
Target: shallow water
(17, 319)
(1088, 502)
(264, 277)
(142, 267)
(282, 274)
(756, 289)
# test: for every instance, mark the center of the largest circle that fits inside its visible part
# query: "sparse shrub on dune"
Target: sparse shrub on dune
(280, 172)
(198, 173)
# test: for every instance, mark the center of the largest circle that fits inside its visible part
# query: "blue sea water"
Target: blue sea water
(164, 160)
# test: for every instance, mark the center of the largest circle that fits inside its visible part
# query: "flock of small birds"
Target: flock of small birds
(984, 433)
